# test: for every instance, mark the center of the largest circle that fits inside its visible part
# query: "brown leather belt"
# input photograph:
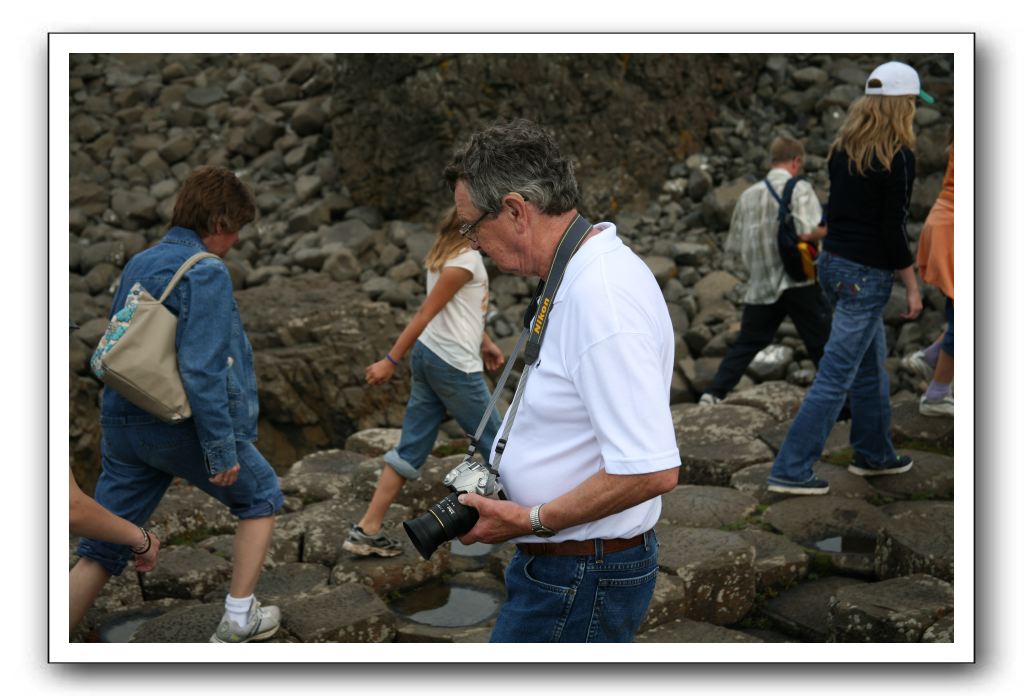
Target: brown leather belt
(579, 548)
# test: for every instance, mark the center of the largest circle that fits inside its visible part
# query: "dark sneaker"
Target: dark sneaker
(815, 486)
(263, 622)
(901, 464)
(362, 544)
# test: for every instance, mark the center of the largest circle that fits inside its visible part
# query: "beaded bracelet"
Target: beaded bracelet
(148, 543)
(393, 361)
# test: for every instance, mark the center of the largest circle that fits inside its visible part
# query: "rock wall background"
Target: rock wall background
(344, 153)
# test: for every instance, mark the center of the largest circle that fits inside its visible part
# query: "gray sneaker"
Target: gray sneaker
(944, 406)
(263, 622)
(362, 544)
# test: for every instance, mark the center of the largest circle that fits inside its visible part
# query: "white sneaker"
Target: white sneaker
(917, 364)
(708, 399)
(937, 407)
(263, 622)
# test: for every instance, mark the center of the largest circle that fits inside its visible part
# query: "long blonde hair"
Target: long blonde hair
(449, 242)
(877, 126)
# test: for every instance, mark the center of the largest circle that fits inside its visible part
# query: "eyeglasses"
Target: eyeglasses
(469, 230)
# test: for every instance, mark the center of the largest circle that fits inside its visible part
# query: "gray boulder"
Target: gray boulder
(892, 611)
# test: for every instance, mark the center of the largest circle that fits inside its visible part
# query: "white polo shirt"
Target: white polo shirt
(598, 396)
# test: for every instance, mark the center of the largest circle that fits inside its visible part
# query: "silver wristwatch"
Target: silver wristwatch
(538, 527)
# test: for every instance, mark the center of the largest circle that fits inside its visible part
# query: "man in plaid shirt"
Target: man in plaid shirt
(771, 294)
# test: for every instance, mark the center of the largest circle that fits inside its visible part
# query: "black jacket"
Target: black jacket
(867, 214)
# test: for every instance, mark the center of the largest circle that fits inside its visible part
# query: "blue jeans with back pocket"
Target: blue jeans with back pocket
(600, 598)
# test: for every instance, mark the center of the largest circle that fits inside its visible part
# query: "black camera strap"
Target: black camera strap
(534, 329)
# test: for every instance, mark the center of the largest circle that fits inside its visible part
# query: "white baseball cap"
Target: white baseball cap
(896, 79)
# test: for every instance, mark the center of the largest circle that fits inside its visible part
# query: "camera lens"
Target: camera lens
(445, 520)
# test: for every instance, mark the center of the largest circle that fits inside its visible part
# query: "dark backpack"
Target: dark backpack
(797, 257)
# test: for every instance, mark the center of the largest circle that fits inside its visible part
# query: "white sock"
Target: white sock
(238, 608)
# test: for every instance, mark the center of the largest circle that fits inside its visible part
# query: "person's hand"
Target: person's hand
(379, 372)
(145, 562)
(499, 520)
(226, 478)
(493, 358)
(914, 305)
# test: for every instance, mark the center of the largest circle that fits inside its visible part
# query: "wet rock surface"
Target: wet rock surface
(331, 272)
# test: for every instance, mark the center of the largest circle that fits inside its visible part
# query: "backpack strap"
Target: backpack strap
(773, 192)
(189, 262)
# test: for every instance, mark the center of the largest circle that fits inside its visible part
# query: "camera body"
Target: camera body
(448, 518)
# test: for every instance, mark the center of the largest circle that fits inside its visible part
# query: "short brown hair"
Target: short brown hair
(212, 195)
(786, 149)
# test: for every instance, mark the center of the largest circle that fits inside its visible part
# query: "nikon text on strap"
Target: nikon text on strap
(535, 328)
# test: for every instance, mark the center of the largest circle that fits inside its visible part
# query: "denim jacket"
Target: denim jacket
(214, 354)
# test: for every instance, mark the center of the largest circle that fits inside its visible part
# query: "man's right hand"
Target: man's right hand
(379, 372)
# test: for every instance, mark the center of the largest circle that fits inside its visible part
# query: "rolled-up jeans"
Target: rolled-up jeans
(600, 598)
(141, 456)
(853, 365)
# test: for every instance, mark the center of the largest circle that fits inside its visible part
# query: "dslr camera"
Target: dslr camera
(448, 518)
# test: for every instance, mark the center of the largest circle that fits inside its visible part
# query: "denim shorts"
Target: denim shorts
(140, 459)
(600, 598)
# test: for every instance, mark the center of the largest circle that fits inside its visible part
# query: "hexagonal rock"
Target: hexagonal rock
(920, 539)
(385, 575)
(803, 610)
(908, 424)
(931, 475)
(187, 510)
(668, 602)
(753, 481)
(185, 572)
(349, 613)
(192, 624)
(774, 435)
(420, 494)
(779, 562)
(333, 461)
(311, 487)
(891, 611)
(809, 519)
(373, 442)
(718, 441)
(779, 400)
(325, 525)
(690, 631)
(941, 631)
(284, 583)
(706, 506)
(285, 545)
(716, 569)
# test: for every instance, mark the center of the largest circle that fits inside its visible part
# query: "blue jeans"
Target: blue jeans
(853, 365)
(437, 389)
(142, 457)
(577, 599)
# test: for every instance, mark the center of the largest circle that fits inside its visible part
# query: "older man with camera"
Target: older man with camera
(590, 448)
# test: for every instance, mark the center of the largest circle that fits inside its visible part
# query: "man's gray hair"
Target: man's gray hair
(517, 156)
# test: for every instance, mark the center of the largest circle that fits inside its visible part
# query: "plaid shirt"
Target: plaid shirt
(754, 235)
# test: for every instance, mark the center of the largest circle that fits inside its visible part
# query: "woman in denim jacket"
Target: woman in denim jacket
(213, 449)
(871, 167)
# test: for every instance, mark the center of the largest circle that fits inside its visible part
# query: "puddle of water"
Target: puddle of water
(121, 629)
(446, 606)
(460, 549)
(846, 544)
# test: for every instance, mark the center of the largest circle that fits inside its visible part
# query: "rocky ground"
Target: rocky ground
(872, 561)
(343, 153)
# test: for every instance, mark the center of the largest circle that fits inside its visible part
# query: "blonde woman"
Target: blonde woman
(871, 167)
(447, 348)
